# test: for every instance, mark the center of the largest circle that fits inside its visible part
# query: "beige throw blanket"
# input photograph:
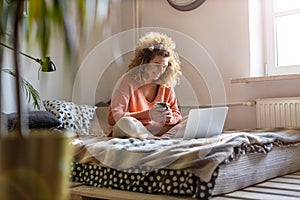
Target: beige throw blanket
(198, 156)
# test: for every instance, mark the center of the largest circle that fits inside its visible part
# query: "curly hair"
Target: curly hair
(156, 44)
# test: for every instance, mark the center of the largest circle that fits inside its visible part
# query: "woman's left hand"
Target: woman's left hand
(168, 115)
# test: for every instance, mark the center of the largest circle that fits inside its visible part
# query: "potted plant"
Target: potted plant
(34, 165)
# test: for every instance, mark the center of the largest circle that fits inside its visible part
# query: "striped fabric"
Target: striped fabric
(286, 187)
(254, 168)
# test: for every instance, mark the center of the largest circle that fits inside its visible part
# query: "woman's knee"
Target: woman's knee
(129, 127)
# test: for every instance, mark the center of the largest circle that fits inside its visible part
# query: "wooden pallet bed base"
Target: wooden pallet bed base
(286, 187)
(84, 192)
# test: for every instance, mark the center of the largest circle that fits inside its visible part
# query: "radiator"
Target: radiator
(278, 112)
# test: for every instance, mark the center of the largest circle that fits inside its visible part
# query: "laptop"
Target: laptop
(205, 122)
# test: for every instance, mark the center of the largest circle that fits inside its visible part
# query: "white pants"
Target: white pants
(131, 127)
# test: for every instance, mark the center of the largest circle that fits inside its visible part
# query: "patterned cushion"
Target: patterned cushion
(72, 116)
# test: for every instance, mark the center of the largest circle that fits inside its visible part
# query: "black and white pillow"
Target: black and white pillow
(72, 116)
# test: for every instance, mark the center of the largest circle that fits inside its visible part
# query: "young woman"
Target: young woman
(151, 77)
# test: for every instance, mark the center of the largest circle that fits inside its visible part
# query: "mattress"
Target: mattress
(159, 181)
(254, 168)
(201, 168)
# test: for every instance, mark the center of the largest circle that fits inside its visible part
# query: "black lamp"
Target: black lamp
(46, 66)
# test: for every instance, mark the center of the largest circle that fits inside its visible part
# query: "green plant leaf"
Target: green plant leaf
(30, 92)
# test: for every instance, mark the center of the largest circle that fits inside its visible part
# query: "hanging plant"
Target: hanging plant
(32, 95)
(43, 19)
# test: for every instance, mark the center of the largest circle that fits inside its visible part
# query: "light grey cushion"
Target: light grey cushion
(99, 123)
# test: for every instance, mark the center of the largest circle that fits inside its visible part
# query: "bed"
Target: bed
(198, 168)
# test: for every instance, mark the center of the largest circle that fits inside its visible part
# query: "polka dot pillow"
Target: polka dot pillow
(72, 116)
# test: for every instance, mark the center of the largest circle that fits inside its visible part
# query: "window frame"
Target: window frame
(270, 43)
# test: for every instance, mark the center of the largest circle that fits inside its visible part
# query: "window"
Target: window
(282, 36)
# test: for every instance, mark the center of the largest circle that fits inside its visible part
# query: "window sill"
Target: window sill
(265, 78)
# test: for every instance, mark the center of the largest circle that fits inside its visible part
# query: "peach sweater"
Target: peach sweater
(129, 100)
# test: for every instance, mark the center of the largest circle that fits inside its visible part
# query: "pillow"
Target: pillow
(102, 104)
(36, 119)
(72, 116)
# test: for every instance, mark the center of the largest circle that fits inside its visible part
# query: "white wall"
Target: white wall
(221, 27)
(220, 30)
